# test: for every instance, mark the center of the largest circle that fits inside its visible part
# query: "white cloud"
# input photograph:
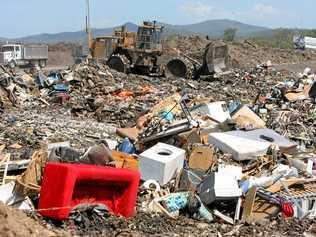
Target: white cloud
(264, 9)
(197, 9)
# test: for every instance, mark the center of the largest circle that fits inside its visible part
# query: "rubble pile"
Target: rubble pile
(111, 96)
(93, 151)
(244, 53)
(247, 53)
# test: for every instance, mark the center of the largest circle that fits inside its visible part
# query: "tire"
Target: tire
(119, 63)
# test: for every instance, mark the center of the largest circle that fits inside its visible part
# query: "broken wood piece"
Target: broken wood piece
(202, 158)
(225, 218)
(237, 210)
(2, 147)
(248, 205)
(263, 209)
(276, 187)
(44, 101)
(125, 161)
(130, 133)
(15, 146)
(4, 170)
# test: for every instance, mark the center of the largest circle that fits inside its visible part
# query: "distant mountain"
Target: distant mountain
(77, 36)
(3, 40)
(212, 28)
(216, 28)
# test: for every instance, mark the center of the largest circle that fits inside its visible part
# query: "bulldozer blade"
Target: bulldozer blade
(215, 59)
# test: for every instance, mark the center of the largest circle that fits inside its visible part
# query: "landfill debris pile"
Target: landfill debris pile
(244, 53)
(144, 224)
(92, 151)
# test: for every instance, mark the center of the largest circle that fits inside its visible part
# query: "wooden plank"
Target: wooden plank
(263, 209)
(249, 203)
(278, 186)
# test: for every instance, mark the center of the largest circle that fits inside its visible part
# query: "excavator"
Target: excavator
(138, 52)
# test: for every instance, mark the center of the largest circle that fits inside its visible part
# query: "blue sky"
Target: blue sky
(25, 17)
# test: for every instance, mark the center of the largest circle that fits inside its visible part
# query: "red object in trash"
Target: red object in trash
(65, 186)
(287, 209)
(63, 98)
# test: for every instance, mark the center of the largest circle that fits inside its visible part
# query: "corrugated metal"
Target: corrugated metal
(35, 52)
(1, 58)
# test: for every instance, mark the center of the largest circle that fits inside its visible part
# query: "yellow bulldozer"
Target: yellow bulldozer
(135, 52)
(138, 52)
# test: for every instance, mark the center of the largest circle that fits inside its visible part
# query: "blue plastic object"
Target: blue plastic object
(178, 201)
(233, 106)
(167, 116)
(127, 147)
(61, 88)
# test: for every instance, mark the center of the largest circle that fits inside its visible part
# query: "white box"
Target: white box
(241, 148)
(248, 145)
(216, 110)
(161, 162)
(219, 186)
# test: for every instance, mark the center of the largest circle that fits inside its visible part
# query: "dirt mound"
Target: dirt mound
(16, 223)
(244, 53)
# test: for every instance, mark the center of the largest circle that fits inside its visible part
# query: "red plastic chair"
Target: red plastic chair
(65, 186)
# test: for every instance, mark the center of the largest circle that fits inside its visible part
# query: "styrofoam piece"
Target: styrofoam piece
(232, 170)
(112, 144)
(216, 110)
(6, 194)
(11, 198)
(161, 162)
(242, 148)
(248, 145)
(58, 144)
(278, 139)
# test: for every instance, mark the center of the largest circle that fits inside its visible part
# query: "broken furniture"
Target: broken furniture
(65, 186)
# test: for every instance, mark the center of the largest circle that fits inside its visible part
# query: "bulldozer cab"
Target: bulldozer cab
(102, 47)
(149, 37)
(126, 39)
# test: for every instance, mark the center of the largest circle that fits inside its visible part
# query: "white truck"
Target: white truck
(304, 42)
(22, 55)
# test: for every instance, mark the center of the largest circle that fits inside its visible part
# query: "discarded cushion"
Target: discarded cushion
(65, 186)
